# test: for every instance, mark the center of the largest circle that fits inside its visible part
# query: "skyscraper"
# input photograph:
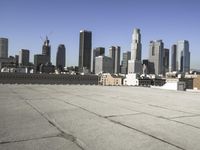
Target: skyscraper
(46, 50)
(135, 64)
(114, 53)
(126, 57)
(183, 56)
(24, 57)
(16, 60)
(60, 57)
(136, 46)
(85, 48)
(173, 57)
(99, 51)
(165, 61)
(3, 48)
(156, 57)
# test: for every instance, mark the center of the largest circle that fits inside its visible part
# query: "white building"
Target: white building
(131, 79)
(135, 64)
(173, 84)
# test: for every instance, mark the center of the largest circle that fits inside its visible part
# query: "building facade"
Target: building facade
(196, 82)
(61, 57)
(24, 56)
(156, 57)
(85, 48)
(126, 57)
(103, 64)
(114, 53)
(40, 59)
(173, 57)
(135, 64)
(46, 50)
(183, 56)
(108, 79)
(165, 61)
(3, 48)
(99, 51)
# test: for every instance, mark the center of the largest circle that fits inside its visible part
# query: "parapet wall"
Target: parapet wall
(19, 78)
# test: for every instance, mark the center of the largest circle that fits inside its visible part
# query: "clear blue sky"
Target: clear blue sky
(111, 23)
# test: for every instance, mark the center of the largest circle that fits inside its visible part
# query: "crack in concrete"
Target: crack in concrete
(197, 115)
(62, 134)
(170, 109)
(119, 123)
(185, 124)
(112, 116)
(145, 133)
(25, 140)
(75, 140)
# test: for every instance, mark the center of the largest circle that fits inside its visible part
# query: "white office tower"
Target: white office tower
(135, 64)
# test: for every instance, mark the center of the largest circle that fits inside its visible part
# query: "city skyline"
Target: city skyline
(170, 21)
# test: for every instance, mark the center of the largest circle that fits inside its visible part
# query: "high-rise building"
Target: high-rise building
(103, 64)
(136, 46)
(3, 48)
(156, 57)
(114, 53)
(135, 64)
(99, 51)
(16, 60)
(145, 66)
(60, 57)
(46, 50)
(173, 57)
(125, 58)
(183, 56)
(85, 48)
(24, 55)
(40, 59)
(165, 61)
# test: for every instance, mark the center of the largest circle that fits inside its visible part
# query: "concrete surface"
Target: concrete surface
(79, 117)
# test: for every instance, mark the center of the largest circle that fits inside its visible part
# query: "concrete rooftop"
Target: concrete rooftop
(79, 117)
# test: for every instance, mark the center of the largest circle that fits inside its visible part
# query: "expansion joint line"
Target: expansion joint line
(62, 134)
(24, 140)
(119, 123)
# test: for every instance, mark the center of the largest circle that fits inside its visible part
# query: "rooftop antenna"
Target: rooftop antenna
(42, 38)
(46, 38)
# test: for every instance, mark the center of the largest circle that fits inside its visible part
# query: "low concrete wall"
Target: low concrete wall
(19, 78)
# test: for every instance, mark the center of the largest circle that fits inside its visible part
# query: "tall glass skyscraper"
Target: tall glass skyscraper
(3, 48)
(125, 58)
(60, 57)
(114, 53)
(173, 57)
(85, 48)
(156, 49)
(165, 61)
(183, 56)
